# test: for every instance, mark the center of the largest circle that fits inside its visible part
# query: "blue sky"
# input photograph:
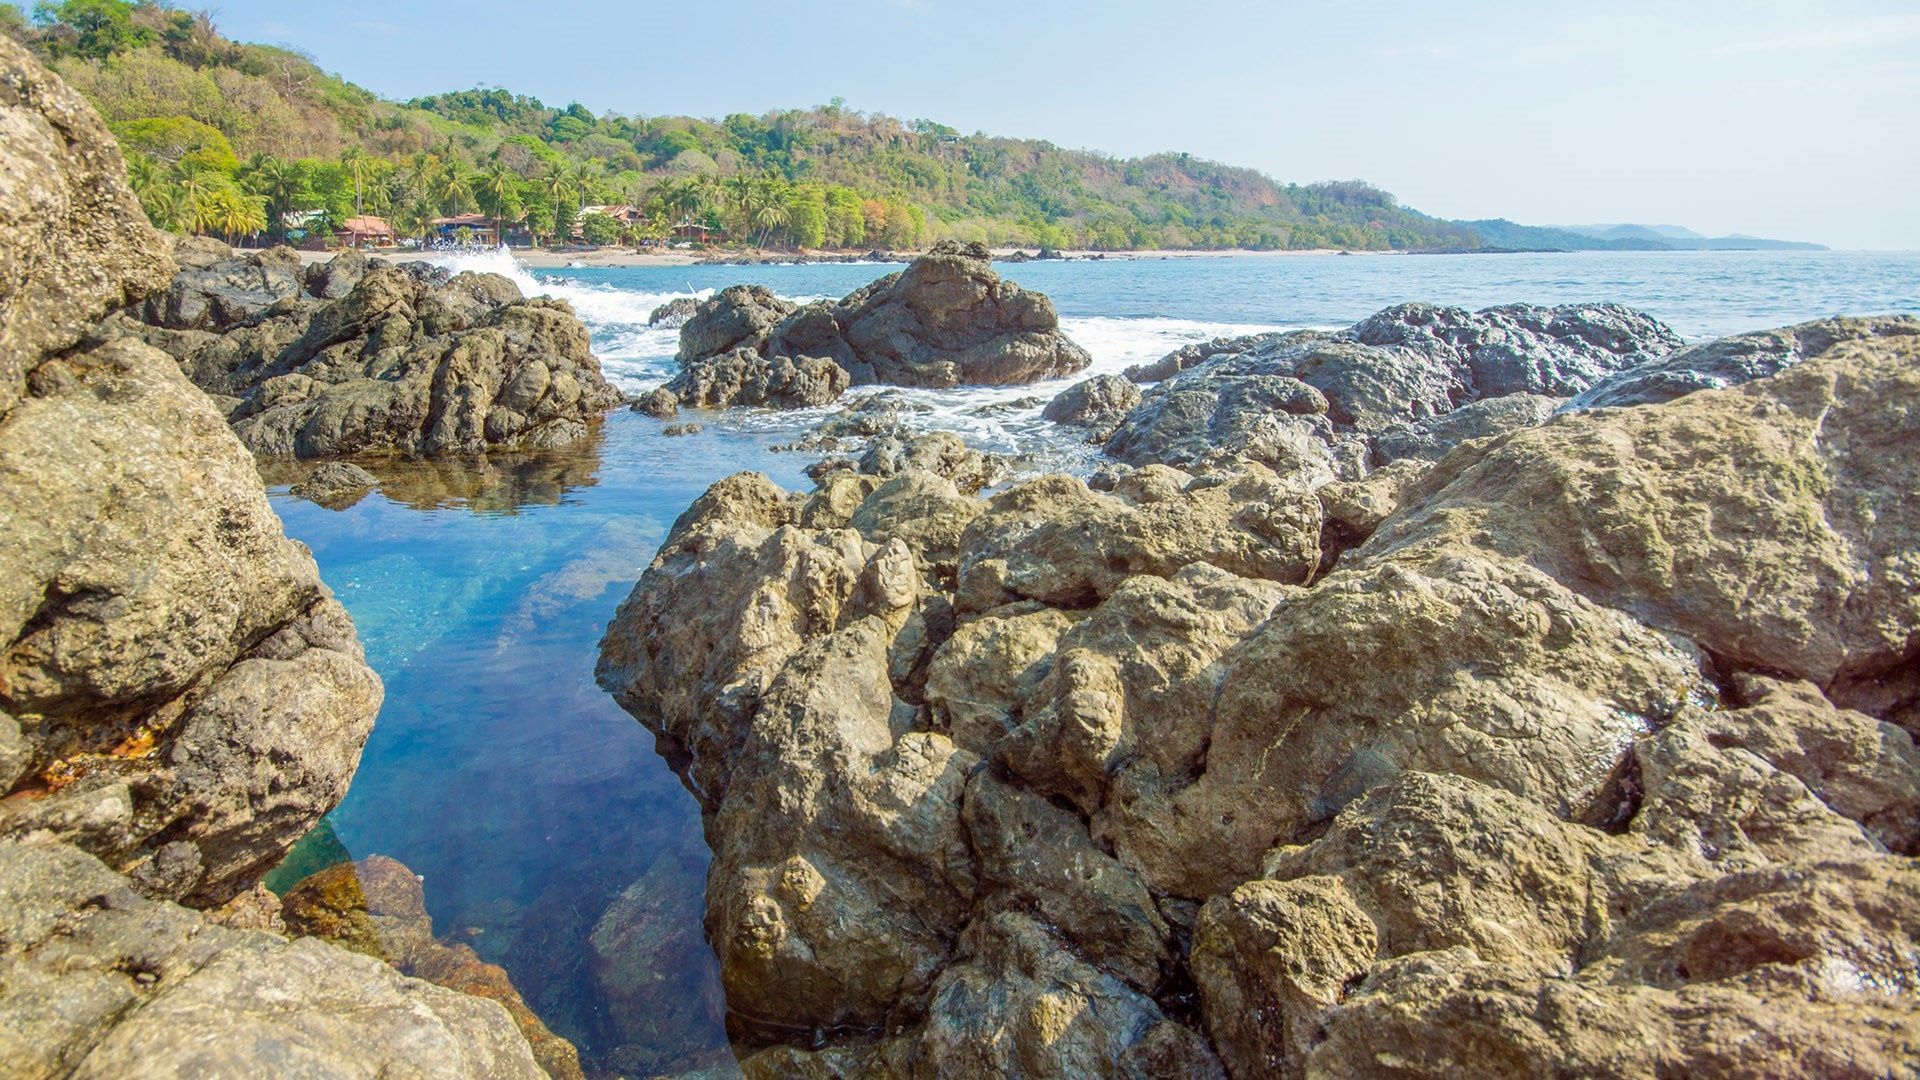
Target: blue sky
(1792, 120)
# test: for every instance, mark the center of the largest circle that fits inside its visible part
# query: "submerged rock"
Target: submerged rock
(1592, 728)
(358, 355)
(946, 320)
(377, 907)
(336, 485)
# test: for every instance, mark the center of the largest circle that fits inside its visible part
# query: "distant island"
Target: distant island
(257, 143)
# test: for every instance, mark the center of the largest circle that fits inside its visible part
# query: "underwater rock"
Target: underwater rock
(946, 320)
(336, 485)
(1472, 764)
(377, 907)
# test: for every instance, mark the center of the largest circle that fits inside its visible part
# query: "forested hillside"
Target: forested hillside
(230, 138)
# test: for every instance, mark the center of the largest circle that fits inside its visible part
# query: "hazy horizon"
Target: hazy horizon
(1776, 120)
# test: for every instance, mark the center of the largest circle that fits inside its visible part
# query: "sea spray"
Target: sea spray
(1006, 419)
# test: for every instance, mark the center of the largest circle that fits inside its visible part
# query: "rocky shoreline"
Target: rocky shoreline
(1398, 724)
(1518, 692)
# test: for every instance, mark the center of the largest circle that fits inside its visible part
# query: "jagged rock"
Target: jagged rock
(1591, 728)
(336, 485)
(1733, 360)
(405, 359)
(192, 252)
(163, 639)
(377, 907)
(1771, 522)
(1098, 404)
(744, 377)
(732, 318)
(76, 242)
(1326, 405)
(659, 403)
(674, 313)
(939, 453)
(947, 319)
(219, 295)
(336, 277)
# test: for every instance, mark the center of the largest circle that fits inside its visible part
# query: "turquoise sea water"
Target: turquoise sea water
(549, 835)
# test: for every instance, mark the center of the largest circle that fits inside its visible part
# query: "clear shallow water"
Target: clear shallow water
(550, 836)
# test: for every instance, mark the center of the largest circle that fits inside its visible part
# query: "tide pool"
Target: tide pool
(549, 835)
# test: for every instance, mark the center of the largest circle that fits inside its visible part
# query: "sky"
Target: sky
(1796, 121)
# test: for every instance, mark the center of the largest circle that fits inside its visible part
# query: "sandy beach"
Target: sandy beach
(612, 257)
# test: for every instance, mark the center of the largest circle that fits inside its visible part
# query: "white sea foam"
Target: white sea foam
(633, 355)
(1007, 419)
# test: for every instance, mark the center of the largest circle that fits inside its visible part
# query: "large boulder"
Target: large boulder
(1594, 728)
(357, 355)
(77, 244)
(946, 320)
(1411, 381)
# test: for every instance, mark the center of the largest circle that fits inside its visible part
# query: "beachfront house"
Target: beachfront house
(366, 232)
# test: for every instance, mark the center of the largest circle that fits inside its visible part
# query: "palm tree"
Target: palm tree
(451, 190)
(416, 219)
(360, 169)
(279, 182)
(770, 215)
(499, 193)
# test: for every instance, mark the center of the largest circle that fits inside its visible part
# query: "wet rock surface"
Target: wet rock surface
(946, 320)
(357, 355)
(377, 907)
(1584, 749)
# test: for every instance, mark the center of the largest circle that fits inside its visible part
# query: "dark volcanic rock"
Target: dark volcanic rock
(744, 377)
(1395, 375)
(1731, 361)
(946, 320)
(226, 293)
(674, 312)
(405, 359)
(1097, 404)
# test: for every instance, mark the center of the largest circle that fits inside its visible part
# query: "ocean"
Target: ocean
(549, 835)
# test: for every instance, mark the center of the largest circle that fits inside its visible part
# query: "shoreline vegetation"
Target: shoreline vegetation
(259, 146)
